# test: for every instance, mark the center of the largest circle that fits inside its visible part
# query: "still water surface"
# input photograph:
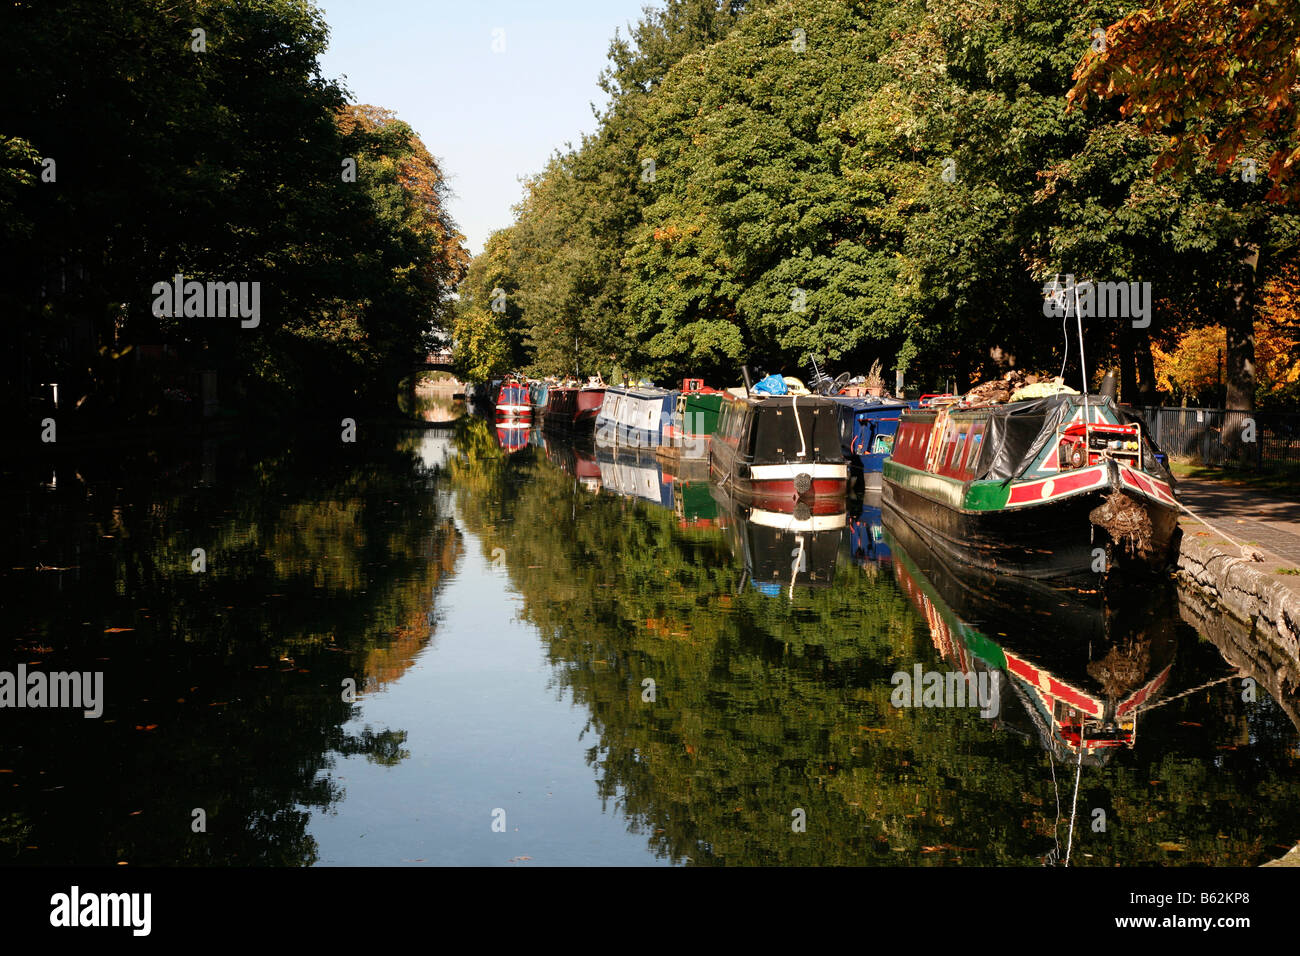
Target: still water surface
(560, 659)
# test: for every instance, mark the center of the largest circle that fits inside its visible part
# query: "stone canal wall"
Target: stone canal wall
(1252, 592)
(1250, 613)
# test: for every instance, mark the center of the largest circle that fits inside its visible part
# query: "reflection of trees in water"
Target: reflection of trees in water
(765, 705)
(226, 693)
(383, 748)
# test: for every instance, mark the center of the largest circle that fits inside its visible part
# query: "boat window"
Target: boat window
(955, 450)
(976, 443)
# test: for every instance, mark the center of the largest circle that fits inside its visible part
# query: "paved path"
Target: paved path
(1262, 519)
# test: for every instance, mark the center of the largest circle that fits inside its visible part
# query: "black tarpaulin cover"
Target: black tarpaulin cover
(1015, 435)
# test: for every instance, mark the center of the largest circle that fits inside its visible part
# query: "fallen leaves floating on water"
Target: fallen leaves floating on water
(117, 630)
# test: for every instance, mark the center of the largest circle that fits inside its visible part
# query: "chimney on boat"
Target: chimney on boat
(1108, 389)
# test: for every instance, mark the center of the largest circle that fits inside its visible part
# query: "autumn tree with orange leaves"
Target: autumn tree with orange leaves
(1219, 78)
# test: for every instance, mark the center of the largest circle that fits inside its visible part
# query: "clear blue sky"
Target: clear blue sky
(490, 118)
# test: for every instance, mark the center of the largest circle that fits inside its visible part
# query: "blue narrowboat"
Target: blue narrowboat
(867, 539)
(867, 429)
(537, 398)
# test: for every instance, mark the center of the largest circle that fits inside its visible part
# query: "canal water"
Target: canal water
(453, 645)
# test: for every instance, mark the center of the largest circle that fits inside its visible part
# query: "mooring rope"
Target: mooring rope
(1169, 700)
(1078, 774)
(1247, 552)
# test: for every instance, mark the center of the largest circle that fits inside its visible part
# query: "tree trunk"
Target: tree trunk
(962, 374)
(1146, 369)
(1128, 390)
(1239, 353)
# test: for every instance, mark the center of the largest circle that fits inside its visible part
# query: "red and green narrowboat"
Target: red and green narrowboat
(1061, 486)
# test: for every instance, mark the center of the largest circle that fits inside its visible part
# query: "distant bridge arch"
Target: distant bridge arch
(440, 361)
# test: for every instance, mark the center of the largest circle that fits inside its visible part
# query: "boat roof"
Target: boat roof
(640, 391)
(867, 403)
(1017, 432)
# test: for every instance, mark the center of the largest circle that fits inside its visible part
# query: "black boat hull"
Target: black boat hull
(1050, 541)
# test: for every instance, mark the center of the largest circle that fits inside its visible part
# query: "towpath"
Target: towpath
(1265, 520)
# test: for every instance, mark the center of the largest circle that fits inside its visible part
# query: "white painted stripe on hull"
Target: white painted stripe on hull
(788, 471)
(514, 409)
(788, 522)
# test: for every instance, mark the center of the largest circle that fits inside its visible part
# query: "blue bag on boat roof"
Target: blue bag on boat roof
(772, 385)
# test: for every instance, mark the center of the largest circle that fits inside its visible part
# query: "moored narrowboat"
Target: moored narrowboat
(634, 418)
(867, 429)
(572, 409)
(537, 398)
(1062, 486)
(780, 453)
(561, 409)
(589, 399)
(687, 435)
(513, 401)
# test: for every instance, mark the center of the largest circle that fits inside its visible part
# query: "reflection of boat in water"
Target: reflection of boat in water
(694, 502)
(1083, 668)
(512, 435)
(781, 549)
(868, 543)
(634, 478)
(574, 459)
